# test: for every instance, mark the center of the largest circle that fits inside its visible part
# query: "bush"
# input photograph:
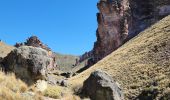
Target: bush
(53, 92)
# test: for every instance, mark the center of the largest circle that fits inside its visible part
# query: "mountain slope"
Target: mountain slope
(65, 62)
(141, 64)
(5, 49)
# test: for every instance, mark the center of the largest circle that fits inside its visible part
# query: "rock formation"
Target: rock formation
(113, 23)
(85, 56)
(28, 63)
(120, 20)
(35, 42)
(101, 86)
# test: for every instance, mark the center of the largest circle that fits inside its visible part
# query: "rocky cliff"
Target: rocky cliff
(120, 20)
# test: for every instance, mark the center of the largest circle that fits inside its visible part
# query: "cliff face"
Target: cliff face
(113, 22)
(146, 12)
(120, 20)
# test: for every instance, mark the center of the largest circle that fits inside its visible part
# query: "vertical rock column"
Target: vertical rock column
(113, 23)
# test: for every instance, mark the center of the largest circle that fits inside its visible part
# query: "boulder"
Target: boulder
(28, 62)
(41, 85)
(101, 86)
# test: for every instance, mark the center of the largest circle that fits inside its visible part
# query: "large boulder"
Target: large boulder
(28, 63)
(101, 86)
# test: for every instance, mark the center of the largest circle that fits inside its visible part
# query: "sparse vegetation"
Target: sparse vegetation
(58, 92)
(53, 92)
(11, 88)
(141, 62)
(15, 89)
(5, 49)
(65, 62)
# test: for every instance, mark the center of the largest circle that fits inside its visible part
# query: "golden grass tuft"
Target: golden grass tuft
(53, 92)
(11, 88)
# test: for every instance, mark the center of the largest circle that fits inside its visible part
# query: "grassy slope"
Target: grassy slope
(5, 49)
(11, 88)
(140, 62)
(65, 62)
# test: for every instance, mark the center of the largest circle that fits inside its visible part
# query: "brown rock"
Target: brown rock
(35, 42)
(120, 20)
(113, 23)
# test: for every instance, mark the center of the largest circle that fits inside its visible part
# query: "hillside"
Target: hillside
(5, 49)
(142, 64)
(65, 62)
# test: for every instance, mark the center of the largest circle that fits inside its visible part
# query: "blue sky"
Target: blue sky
(67, 26)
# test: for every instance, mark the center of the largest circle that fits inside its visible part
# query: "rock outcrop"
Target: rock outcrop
(101, 86)
(114, 19)
(28, 63)
(35, 42)
(120, 20)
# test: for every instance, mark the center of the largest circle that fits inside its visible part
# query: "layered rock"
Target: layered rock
(113, 23)
(101, 86)
(120, 20)
(28, 63)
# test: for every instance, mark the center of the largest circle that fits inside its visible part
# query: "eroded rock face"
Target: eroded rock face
(113, 22)
(28, 63)
(35, 42)
(101, 86)
(120, 20)
(145, 13)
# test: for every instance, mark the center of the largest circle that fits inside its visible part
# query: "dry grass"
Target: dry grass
(11, 88)
(142, 62)
(58, 92)
(65, 62)
(14, 89)
(53, 92)
(5, 49)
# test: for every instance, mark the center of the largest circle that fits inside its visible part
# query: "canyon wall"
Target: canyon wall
(120, 20)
